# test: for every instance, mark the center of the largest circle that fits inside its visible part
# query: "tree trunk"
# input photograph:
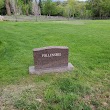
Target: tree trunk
(7, 4)
(27, 12)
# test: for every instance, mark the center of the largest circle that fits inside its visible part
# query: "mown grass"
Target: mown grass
(85, 88)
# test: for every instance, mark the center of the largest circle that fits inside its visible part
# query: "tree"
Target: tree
(49, 7)
(80, 10)
(60, 9)
(40, 4)
(71, 5)
(8, 9)
(100, 8)
(69, 10)
(36, 9)
(1, 3)
(26, 6)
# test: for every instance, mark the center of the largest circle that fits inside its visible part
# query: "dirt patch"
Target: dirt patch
(10, 94)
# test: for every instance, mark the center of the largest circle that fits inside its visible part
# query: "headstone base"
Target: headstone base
(32, 69)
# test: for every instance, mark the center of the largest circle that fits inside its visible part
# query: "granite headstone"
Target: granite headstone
(50, 59)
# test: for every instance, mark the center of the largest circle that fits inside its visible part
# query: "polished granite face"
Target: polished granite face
(50, 57)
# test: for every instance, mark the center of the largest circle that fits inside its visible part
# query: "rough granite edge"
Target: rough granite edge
(50, 47)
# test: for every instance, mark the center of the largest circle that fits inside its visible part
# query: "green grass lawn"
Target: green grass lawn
(85, 88)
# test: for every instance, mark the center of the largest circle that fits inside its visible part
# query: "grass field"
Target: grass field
(85, 88)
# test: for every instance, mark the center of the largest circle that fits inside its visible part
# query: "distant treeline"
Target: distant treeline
(69, 8)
